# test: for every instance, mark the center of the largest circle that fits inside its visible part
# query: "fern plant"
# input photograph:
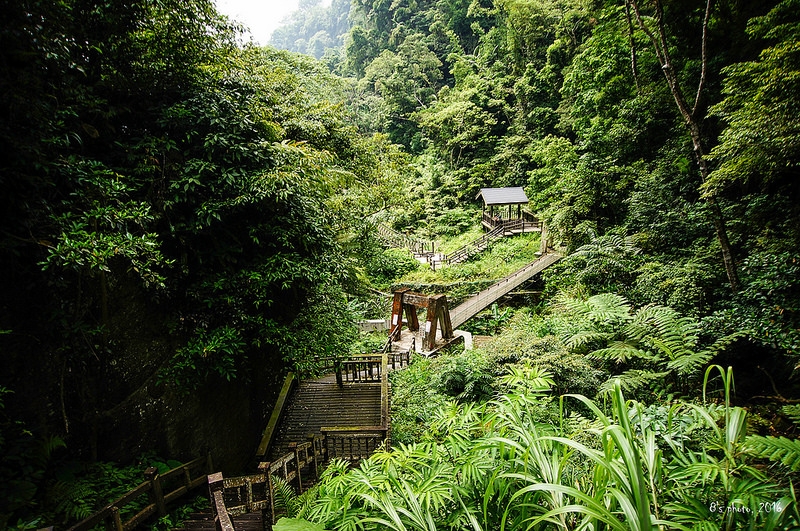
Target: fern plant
(285, 497)
(656, 347)
(779, 449)
(793, 412)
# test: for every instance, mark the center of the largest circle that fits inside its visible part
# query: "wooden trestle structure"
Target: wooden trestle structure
(436, 310)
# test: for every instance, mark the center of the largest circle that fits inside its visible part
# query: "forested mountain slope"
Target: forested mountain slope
(183, 220)
(668, 123)
(315, 29)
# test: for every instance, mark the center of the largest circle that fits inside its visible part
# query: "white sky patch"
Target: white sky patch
(260, 16)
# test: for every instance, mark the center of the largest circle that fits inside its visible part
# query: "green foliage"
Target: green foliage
(529, 341)
(758, 92)
(80, 489)
(324, 330)
(25, 461)
(793, 412)
(780, 449)
(499, 466)
(152, 168)
(527, 378)
(285, 497)
(414, 400)
(685, 286)
(767, 306)
(173, 205)
(467, 377)
(659, 349)
(210, 352)
(104, 222)
(296, 524)
(389, 265)
(405, 79)
(489, 322)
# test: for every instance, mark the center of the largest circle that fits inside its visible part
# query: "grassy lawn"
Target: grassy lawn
(501, 259)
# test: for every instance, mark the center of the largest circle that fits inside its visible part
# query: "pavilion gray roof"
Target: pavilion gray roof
(503, 196)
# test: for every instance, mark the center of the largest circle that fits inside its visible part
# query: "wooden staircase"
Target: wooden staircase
(343, 415)
(316, 404)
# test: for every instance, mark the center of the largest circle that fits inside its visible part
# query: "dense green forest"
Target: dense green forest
(184, 219)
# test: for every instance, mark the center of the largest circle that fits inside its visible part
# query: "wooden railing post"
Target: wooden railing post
(209, 464)
(216, 494)
(314, 462)
(543, 245)
(293, 448)
(264, 467)
(156, 492)
(338, 368)
(116, 521)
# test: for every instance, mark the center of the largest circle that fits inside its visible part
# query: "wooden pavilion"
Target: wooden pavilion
(503, 206)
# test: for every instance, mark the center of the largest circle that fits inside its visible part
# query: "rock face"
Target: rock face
(100, 392)
(225, 419)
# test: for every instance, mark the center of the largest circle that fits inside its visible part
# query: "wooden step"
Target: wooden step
(319, 403)
(205, 522)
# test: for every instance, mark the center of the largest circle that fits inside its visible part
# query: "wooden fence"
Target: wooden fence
(161, 489)
(500, 228)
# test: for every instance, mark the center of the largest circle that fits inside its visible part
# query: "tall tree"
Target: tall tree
(655, 28)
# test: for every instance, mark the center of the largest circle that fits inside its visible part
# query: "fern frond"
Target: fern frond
(620, 352)
(666, 330)
(285, 496)
(724, 342)
(74, 499)
(609, 307)
(793, 412)
(632, 380)
(585, 337)
(781, 449)
(689, 362)
(600, 309)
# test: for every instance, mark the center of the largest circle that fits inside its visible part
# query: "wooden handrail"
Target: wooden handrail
(398, 239)
(154, 485)
(275, 417)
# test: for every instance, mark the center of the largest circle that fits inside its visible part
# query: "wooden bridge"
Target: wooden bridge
(480, 301)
